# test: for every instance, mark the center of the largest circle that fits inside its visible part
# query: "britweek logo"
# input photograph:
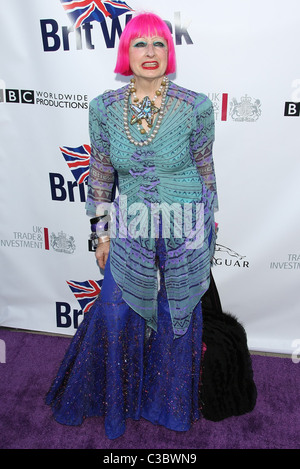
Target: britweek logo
(85, 293)
(56, 38)
(77, 159)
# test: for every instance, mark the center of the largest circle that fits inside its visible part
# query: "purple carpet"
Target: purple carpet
(31, 362)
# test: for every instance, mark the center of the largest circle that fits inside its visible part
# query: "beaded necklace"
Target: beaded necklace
(144, 110)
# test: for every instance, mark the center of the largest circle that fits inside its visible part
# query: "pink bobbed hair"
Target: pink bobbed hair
(144, 25)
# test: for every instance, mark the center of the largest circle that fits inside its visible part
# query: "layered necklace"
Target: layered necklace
(144, 109)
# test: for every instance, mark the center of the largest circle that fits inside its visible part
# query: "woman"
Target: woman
(140, 351)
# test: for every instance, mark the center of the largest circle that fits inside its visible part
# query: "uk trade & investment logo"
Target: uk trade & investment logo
(38, 238)
(292, 262)
(245, 109)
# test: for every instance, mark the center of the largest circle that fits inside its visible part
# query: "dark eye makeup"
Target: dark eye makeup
(144, 44)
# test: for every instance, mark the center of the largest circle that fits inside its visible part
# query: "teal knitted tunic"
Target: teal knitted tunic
(170, 181)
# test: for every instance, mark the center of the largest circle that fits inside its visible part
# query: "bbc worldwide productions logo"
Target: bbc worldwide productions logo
(292, 109)
(55, 99)
(17, 96)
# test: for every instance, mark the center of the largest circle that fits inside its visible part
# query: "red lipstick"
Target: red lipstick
(150, 65)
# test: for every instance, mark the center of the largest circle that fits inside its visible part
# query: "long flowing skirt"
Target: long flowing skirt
(119, 368)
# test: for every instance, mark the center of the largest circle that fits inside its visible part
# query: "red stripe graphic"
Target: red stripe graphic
(224, 106)
(46, 238)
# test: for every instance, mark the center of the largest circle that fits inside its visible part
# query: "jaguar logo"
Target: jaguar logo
(234, 260)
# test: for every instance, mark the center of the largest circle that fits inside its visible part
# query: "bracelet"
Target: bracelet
(97, 221)
(103, 239)
(100, 231)
(94, 241)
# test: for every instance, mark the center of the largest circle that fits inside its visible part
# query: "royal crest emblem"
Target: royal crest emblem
(62, 243)
(245, 110)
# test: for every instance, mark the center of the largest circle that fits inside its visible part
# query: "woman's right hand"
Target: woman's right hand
(101, 253)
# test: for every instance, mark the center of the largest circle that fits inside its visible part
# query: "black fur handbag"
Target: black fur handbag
(227, 386)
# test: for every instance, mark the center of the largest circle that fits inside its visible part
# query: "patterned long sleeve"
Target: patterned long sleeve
(176, 168)
(202, 143)
(101, 172)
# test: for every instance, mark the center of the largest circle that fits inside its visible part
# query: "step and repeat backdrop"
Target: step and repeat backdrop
(55, 57)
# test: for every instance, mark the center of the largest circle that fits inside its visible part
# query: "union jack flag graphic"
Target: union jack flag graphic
(85, 292)
(85, 11)
(78, 160)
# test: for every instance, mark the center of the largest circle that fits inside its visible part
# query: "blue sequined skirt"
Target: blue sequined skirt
(118, 368)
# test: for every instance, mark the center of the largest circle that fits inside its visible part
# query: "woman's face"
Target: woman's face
(148, 56)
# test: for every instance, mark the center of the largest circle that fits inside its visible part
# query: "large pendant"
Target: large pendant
(144, 110)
